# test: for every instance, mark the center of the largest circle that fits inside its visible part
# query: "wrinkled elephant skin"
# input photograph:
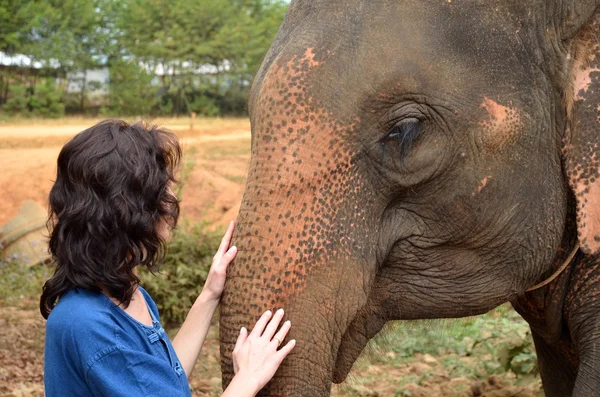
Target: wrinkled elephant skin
(423, 159)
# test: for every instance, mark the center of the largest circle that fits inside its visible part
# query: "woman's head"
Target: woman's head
(111, 207)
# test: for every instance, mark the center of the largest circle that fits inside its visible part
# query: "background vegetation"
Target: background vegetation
(165, 57)
(183, 273)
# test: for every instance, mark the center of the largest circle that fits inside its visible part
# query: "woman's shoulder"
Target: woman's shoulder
(78, 306)
(80, 325)
(81, 314)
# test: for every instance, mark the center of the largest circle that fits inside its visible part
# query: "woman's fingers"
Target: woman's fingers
(241, 339)
(285, 350)
(280, 335)
(273, 325)
(238, 345)
(227, 258)
(225, 242)
(258, 329)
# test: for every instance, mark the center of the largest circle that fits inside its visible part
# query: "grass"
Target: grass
(21, 285)
(501, 334)
(226, 150)
(470, 349)
(20, 133)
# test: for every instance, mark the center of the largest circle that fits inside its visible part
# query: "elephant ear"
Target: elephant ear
(573, 15)
(582, 141)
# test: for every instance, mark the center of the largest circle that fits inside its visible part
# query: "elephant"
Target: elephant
(420, 159)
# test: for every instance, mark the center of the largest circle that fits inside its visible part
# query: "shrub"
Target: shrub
(44, 100)
(205, 106)
(131, 91)
(18, 100)
(183, 273)
(47, 101)
(20, 284)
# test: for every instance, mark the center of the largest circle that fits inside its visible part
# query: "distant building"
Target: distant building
(95, 80)
(23, 65)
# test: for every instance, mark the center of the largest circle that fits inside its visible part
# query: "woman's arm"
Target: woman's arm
(189, 339)
(255, 356)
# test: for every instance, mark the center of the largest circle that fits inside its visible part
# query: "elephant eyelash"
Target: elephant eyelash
(404, 133)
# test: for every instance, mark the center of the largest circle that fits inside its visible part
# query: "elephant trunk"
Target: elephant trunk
(290, 257)
(300, 232)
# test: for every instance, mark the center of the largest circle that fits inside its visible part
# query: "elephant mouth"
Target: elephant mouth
(343, 364)
(354, 341)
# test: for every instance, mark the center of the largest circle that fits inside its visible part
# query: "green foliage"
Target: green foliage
(501, 336)
(46, 101)
(181, 277)
(206, 50)
(43, 100)
(517, 354)
(68, 32)
(21, 284)
(131, 92)
(205, 106)
(18, 100)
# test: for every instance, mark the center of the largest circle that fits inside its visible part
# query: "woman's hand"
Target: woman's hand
(215, 282)
(255, 356)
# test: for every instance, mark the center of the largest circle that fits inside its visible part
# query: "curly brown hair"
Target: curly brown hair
(108, 204)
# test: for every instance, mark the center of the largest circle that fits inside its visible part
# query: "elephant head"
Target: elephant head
(411, 159)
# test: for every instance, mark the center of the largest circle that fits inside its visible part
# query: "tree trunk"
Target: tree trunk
(3, 81)
(82, 98)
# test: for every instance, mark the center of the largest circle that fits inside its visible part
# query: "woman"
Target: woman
(111, 210)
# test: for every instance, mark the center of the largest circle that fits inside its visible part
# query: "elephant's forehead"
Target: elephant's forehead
(300, 178)
(436, 48)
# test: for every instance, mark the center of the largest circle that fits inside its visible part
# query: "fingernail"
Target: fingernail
(288, 322)
(293, 341)
(242, 330)
(280, 311)
(233, 249)
(268, 312)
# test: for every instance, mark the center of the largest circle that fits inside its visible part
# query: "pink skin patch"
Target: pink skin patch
(589, 225)
(583, 81)
(503, 124)
(583, 77)
(584, 156)
(482, 184)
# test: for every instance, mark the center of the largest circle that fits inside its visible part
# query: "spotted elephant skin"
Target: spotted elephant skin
(417, 159)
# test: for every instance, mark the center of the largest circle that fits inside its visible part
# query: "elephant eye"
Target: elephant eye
(404, 133)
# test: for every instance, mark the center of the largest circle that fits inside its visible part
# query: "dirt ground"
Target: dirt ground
(216, 155)
(28, 164)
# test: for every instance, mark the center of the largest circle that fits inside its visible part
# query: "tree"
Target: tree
(206, 51)
(131, 92)
(67, 35)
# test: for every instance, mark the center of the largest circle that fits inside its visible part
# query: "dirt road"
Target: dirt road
(28, 161)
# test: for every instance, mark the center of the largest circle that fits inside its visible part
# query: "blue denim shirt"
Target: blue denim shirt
(94, 348)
